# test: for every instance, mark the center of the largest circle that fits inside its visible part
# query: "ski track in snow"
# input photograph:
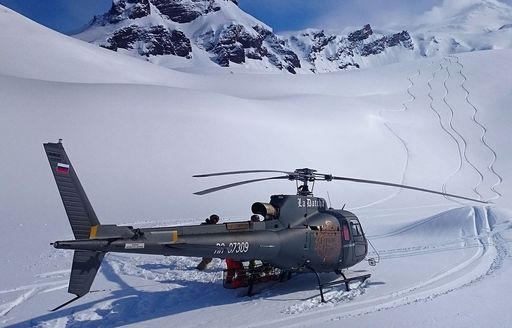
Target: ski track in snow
(29, 291)
(461, 141)
(443, 127)
(483, 130)
(464, 145)
(400, 139)
(6, 308)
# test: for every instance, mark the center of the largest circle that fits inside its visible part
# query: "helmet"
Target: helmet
(214, 218)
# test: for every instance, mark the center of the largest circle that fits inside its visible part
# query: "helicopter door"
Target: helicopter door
(348, 249)
(359, 240)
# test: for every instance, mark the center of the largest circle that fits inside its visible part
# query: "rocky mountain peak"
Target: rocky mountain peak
(127, 9)
(360, 35)
(185, 11)
(228, 36)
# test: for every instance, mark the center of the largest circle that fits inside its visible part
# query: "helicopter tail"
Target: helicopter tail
(82, 219)
(78, 208)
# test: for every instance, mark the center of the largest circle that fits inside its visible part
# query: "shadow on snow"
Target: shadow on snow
(129, 305)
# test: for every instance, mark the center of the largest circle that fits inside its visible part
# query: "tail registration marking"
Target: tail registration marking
(134, 245)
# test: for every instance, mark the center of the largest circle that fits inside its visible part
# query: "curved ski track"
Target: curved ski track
(464, 142)
(402, 141)
(29, 291)
(483, 130)
(449, 129)
(440, 120)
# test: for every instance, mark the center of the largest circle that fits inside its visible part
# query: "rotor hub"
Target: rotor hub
(304, 175)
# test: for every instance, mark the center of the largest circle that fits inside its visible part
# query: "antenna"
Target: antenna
(329, 198)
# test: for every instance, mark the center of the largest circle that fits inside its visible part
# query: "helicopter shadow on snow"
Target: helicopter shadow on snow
(128, 305)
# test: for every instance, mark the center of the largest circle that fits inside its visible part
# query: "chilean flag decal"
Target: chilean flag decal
(62, 168)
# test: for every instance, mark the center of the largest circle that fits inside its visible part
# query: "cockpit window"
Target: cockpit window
(356, 229)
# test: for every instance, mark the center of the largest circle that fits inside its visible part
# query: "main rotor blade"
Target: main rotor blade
(207, 191)
(239, 172)
(407, 187)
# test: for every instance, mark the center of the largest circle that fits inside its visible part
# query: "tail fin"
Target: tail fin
(81, 217)
(84, 269)
(78, 208)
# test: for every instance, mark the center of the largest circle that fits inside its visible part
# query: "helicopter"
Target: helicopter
(299, 233)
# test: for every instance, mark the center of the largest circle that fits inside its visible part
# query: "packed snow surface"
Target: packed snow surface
(136, 133)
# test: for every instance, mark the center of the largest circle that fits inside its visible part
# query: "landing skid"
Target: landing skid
(345, 280)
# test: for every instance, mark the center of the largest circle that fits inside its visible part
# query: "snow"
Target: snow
(137, 132)
(469, 15)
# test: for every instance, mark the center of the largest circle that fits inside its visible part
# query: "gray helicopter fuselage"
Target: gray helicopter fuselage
(302, 233)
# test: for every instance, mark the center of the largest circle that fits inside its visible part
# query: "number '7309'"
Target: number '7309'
(233, 248)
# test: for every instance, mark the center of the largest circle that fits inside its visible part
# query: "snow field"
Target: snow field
(136, 136)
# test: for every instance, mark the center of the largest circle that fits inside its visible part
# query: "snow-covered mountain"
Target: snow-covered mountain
(206, 33)
(464, 26)
(218, 32)
(214, 32)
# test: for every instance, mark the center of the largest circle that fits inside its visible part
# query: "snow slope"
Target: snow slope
(137, 135)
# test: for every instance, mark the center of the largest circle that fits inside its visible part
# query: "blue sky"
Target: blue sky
(299, 14)
(61, 15)
(68, 15)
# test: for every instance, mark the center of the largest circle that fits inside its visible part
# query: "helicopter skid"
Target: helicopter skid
(347, 280)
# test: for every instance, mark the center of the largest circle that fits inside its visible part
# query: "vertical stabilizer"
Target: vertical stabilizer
(78, 208)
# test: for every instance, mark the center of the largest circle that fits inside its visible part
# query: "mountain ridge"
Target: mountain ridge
(187, 33)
